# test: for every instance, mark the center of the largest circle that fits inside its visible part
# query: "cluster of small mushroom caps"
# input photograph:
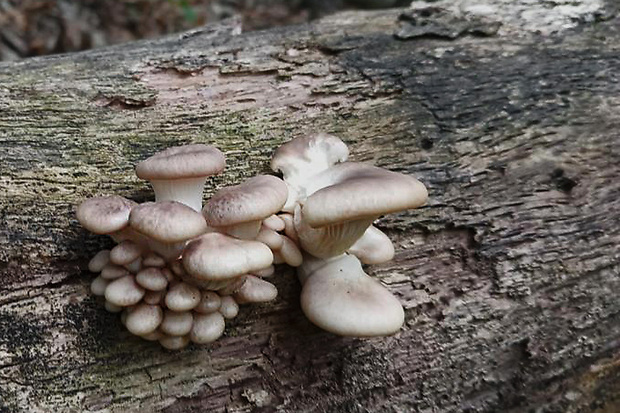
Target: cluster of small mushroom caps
(179, 269)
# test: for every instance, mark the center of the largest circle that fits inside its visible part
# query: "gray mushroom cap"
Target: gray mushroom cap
(179, 173)
(167, 221)
(168, 225)
(180, 162)
(340, 298)
(351, 191)
(247, 203)
(105, 214)
(216, 256)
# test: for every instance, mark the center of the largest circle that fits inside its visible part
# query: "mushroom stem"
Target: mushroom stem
(187, 191)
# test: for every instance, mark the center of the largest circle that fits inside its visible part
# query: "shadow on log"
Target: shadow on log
(509, 276)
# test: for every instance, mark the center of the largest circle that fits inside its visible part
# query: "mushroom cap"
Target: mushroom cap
(105, 214)
(309, 154)
(144, 319)
(180, 162)
(216, 256)
(255, 199)
(340, 298)
(182, 297)
(350, 191)
(207, 328)
(125, 252)
(255, 290)
(167, 221)
(374, 247)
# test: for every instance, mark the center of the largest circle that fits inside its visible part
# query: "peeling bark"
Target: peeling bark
(509, 276)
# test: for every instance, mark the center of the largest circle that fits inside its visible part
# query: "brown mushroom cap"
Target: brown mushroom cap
(216, 256)
(180, 162)
(351, 191)
(255, 199)
(105, 214)
(167, 221)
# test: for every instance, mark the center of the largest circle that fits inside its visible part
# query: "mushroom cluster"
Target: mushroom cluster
(330, 209)
(179, 269)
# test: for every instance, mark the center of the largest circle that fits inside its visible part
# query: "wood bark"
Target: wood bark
(509, 276)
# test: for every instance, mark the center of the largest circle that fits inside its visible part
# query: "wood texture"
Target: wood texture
(509, 276)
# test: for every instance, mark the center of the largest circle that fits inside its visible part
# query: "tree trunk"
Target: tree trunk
(509, 112)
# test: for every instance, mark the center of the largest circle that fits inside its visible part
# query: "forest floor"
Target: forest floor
(40, 27)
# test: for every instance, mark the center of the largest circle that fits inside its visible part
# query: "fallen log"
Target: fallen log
(508, 113)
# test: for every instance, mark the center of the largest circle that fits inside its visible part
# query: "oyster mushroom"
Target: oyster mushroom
(179, 173)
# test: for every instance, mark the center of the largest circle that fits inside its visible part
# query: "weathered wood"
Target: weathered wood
(509, 275)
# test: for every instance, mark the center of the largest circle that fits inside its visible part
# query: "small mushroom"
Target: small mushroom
(98, 286)
(255, 290)
(239, 210)
(274, 222)
(125, 252)
(124, 291)
(144, 319)
(105, 214)
(168, 225)
(339, 297)
(179, 173)
(302, 158)
(112, 272)
(152, 259)
(229, 307)
(182, 297)
(99, 261)
(374, 247)
(177, 323)
(152, 279)
(207, 328)
(209, 303)
(218, 258)
(343, 201)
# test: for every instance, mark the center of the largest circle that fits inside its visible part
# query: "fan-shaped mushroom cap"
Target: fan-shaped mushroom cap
(144, 319)
(124, 291)
(216, 257)
(374, 247)
(304, 157)
(100, 260)
(177, 323)
(340, 298)
(343, 201)
(152, 279)
(179, 173)
(182, 297)
(207, 328)
(255, 290)
(125, 252)
(169, 224)
(352, 191)
(229, 307)
(241, 208)
(209, 303)
(105, 214)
